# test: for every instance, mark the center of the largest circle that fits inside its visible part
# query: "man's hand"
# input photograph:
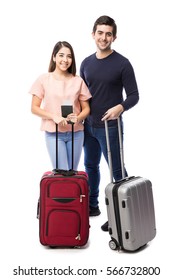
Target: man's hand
(113, 113)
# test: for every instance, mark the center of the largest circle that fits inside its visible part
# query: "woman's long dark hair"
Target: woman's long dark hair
(57, 47)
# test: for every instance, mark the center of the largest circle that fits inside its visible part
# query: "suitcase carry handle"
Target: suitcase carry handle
(109, 150)
(63, 172)
(70, 172)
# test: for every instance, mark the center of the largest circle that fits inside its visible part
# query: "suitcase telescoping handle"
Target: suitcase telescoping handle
(109, 150)
(57, 170)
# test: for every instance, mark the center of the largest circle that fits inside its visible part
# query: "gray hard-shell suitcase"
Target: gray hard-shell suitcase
(130, 207)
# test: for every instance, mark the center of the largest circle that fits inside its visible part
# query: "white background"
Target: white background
(28, 33)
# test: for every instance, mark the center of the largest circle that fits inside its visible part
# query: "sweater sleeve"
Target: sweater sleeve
(82, 71)
(130, 87)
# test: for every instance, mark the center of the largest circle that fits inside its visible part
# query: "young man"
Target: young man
(106, 73)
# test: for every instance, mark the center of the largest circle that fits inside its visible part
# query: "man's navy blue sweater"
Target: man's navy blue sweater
(106, 78)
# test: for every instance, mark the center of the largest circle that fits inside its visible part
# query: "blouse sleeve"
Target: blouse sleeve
(37, 88)
(85, 93)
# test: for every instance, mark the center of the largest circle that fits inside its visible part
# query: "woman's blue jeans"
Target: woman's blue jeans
(65, 148)
(94, 146)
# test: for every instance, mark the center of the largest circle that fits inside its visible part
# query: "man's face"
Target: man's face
(103, 37)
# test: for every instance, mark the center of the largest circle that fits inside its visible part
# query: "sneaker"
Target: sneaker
(94, 211)
(104, 227)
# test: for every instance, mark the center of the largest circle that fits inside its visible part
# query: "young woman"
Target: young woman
(61, 86)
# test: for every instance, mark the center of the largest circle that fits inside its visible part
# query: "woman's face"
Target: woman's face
(63, 59)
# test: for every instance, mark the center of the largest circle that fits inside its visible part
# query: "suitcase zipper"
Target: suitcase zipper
(78, 237)
(81, 197)
(68, 199)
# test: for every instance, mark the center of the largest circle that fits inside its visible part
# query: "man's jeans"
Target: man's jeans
(94, 146)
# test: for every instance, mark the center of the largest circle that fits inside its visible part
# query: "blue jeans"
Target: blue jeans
(94, 146)
(64, 148)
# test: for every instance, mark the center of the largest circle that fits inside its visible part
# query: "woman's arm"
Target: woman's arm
(37, 110)
(85, 110)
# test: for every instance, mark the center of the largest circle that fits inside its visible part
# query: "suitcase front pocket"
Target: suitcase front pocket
(64, 191)
(63, 224)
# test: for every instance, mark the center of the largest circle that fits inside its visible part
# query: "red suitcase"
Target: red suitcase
(63, 209)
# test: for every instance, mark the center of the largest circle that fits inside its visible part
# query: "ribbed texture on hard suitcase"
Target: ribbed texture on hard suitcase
(131, 213)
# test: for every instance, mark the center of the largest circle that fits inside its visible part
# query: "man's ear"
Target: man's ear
(114, 38)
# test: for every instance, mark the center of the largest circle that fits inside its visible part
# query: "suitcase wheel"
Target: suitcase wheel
(112, 245)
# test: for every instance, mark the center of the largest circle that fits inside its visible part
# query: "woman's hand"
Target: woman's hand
(72, 118)
(60, 120)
